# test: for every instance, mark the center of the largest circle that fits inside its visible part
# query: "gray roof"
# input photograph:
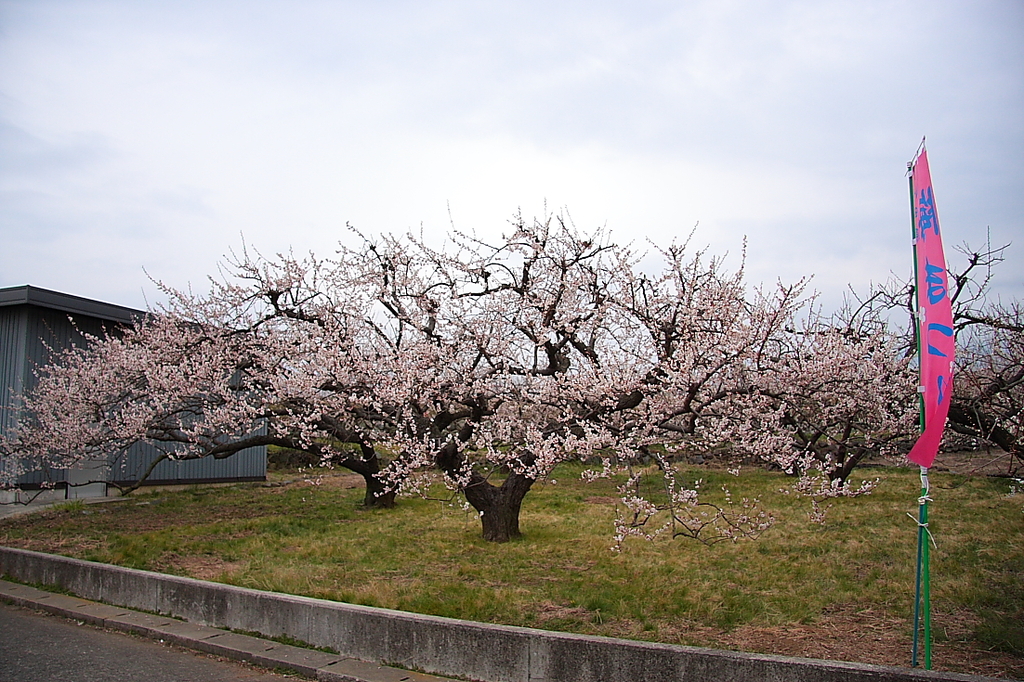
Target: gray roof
(55, 300)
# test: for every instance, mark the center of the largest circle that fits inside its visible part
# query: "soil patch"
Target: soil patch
(203, 567)
(328, 480)
(865, 635)
(978, 463)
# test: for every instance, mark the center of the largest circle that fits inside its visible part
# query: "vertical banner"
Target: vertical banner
(934, 315)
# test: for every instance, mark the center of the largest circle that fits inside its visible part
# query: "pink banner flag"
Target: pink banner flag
(934, 315)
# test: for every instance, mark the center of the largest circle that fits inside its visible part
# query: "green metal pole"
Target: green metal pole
(923, 602)
(926, 571)
(917, 591)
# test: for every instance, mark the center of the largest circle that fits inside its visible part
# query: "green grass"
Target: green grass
(428, 557)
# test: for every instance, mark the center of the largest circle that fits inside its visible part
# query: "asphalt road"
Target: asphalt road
(36, 647)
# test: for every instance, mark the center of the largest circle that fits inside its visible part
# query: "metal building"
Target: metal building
(34, 320)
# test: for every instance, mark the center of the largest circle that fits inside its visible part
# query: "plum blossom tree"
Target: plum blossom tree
(511, 337)
(199, 379)
(698, 341)
(840, 389)
(582, 354)
(988, 400)
(988, 394)
(150, 382)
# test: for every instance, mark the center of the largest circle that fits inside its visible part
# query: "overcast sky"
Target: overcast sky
(149, 137)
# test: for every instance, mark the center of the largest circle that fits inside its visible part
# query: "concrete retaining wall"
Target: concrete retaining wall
(443, 646)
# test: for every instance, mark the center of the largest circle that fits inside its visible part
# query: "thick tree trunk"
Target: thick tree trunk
(499, 506)
(378, 496)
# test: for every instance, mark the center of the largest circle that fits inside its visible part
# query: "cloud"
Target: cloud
(151, 135)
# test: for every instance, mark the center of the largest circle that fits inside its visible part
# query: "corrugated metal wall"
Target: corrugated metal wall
(249, 464)
(28, 333)
(12, 367)
(13, 363)
(25, 333)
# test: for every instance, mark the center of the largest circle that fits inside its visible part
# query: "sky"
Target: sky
(145, 141)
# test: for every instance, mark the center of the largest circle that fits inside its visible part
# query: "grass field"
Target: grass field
(843, 590)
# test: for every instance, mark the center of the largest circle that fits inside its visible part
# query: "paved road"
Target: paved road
(40, 648)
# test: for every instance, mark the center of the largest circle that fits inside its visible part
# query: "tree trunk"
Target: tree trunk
(378, 495)
(498, 505)
(848, 464)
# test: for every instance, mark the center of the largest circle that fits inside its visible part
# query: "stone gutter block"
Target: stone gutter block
(303, 661)
(140, 623)
(353, 670)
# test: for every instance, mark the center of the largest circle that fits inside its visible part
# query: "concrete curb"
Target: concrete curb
(442, 646)
(314, 664)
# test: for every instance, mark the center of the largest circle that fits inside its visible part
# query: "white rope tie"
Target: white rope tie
(931, 537)
(921, 501)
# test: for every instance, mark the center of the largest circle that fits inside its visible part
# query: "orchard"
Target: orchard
(486, 365)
